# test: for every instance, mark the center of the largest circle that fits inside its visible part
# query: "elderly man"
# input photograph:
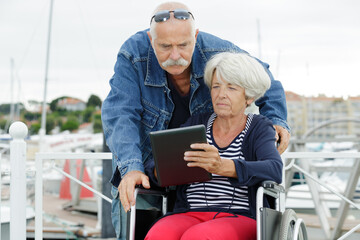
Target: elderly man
(158, 83)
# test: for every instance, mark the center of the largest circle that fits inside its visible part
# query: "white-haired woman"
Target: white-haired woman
(240, 154)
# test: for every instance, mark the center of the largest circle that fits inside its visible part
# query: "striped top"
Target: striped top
(218, 192)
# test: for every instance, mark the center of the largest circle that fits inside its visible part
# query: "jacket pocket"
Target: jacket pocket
(149, 121)
(149, 118)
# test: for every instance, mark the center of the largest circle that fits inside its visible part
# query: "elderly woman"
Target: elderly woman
(240, 154)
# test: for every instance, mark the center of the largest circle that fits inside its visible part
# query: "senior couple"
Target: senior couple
(172, 75)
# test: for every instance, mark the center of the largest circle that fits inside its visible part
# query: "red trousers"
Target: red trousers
(203, 225)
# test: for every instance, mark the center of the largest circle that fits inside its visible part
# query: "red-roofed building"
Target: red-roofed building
(71, 104)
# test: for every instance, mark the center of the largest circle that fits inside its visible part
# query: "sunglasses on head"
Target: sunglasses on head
(163, 16)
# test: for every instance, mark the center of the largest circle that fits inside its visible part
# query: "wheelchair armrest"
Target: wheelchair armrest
(141, 190)
(154, 192)
(131, 215)
(273, 186)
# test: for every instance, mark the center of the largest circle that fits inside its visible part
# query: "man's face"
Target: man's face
(174, 45)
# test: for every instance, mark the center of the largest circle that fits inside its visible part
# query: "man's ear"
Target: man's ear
(149, 35)
(196, 34)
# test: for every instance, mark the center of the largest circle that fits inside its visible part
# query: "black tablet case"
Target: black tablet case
(168, 147)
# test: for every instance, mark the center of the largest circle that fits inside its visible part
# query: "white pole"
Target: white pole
(38, 197)
(0, 192)
(18, 132)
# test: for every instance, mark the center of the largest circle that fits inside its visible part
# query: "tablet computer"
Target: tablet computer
(168, 148)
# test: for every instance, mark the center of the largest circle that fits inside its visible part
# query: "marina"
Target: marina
(56, 209)
(55, 185)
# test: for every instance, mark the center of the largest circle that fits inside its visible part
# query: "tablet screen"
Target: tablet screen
(168, 147)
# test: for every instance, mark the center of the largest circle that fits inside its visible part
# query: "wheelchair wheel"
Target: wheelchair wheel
(287, 227)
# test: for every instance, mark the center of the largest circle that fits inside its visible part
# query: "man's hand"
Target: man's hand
(127, 187)
(282, 137)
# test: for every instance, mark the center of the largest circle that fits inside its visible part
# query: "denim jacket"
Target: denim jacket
(139, 100)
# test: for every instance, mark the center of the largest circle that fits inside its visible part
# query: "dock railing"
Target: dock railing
(296, 161)
(39, 160)
(18, 132)
(300, 162)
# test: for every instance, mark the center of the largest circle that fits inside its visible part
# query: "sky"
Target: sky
(313, 47)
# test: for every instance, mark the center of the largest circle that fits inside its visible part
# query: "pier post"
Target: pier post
(18, 132)
(107, 229)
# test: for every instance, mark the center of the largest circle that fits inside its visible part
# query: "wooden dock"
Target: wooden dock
(315, 231)
(60, 223)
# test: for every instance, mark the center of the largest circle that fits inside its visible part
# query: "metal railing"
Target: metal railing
(314, 183)
(39, 159)
(18, 131)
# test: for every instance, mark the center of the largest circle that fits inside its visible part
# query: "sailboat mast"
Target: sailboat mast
(259, 37)
(11, 115)
(43, 116)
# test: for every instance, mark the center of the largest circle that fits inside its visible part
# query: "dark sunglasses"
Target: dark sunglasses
(163, 16)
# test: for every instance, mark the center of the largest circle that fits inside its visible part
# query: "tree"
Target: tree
(2, 123)
(50, 123)
(53, 105)
(97, 126)
(71, 124)
(5, 108)
(87, 113)
(30, 116)
(34, 128)
(94, 101)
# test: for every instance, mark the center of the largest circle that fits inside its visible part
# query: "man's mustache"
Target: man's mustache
(179, 62)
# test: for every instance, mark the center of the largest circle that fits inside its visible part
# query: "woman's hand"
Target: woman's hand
(209, 159)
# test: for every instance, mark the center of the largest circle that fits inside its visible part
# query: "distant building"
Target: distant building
(34, 106)
(86, 128)
(354, 106)
(304, 113)
(71, 104)
(297, 115)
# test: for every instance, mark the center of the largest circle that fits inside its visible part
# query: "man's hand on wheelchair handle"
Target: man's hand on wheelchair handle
(282, 137)
(127, 187)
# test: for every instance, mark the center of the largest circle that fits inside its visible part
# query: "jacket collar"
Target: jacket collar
(156, 76)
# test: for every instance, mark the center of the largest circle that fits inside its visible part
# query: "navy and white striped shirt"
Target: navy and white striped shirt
(218, 192)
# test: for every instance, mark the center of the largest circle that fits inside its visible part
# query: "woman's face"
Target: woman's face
(228, 100)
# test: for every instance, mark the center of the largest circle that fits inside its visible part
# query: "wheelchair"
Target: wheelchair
(274, 223)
